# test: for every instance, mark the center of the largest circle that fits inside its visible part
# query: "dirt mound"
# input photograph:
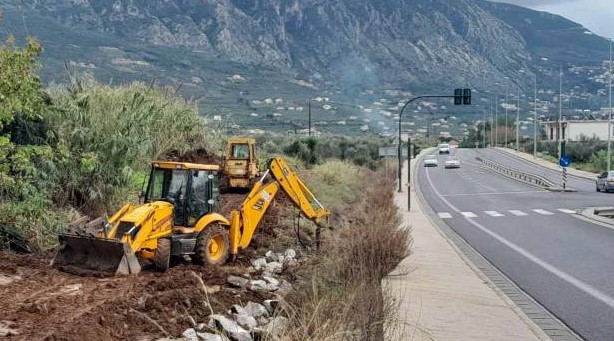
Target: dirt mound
(201, 156)
(41, 303)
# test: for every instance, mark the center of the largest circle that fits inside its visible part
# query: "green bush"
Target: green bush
(104, 134)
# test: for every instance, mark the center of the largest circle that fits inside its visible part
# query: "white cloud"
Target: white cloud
(596, 15)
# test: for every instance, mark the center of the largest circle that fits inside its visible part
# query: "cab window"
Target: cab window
(240, 151)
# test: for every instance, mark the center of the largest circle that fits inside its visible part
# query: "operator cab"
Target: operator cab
(192, 189)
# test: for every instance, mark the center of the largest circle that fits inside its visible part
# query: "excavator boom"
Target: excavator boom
(298, 192)
(244, 222)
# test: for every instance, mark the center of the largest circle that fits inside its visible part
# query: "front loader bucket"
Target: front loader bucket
(91, 254)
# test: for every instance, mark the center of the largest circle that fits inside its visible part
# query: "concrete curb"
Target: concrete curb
(589, 213)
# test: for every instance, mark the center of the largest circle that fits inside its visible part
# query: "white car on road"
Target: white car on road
(430, 161)
(452, 162)
(444, 148)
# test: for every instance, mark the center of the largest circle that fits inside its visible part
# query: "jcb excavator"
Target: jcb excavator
(179, 217)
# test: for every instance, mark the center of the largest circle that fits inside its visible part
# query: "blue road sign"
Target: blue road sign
(565, 161)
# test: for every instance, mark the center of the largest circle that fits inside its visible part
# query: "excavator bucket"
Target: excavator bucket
(91, 254)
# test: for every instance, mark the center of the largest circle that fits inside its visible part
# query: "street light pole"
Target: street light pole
(517, 118)
(560, 123)
(497, 122)
(610, 111)
(535, 119)
(505, 146)
(399, 140)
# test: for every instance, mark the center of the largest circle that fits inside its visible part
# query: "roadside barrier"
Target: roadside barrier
(510, 172)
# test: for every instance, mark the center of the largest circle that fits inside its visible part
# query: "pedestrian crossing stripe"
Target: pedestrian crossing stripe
(445, 215)
(518, 213)
(542, 212)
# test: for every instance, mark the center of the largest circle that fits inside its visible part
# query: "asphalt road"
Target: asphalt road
(534, 237)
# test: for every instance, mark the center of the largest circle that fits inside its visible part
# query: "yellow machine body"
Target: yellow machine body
(189, 225)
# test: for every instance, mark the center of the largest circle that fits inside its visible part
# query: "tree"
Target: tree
(21, 101)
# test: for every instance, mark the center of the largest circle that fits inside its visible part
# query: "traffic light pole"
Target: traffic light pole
(461, 96)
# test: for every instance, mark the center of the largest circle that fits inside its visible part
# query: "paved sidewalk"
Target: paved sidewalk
(441, 298)
(548, 164)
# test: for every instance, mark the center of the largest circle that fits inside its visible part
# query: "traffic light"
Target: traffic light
(462, 96)
(458, 96)
(466, 96)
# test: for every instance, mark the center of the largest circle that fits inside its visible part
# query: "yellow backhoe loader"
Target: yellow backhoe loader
(240, 165)
(179, 217)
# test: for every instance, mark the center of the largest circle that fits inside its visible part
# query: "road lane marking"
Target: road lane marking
(469, 214)
(444, 215)
(564, 210)
(542, 212)
(517, 213)
(582, 286)
(494, 213)
(493, 193)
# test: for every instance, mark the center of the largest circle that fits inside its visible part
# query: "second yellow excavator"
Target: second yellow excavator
(179, 217)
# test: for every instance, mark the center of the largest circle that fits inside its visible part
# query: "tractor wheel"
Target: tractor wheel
(212, 245)
(162, 257)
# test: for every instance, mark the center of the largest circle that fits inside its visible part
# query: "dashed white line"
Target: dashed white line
(444, 215)
(517, 213)
(542, 212)
(469, 215)
(494, 213)
(565, 210)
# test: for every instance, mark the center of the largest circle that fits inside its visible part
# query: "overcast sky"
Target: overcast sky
(596, 15)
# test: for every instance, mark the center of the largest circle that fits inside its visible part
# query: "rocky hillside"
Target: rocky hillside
(345, 46)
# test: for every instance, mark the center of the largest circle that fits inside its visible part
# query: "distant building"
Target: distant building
(572, 130)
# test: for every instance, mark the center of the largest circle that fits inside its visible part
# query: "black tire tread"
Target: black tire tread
(162, 257)
(201, 252)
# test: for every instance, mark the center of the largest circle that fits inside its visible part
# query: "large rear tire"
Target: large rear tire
(162, 257)
(212, 245)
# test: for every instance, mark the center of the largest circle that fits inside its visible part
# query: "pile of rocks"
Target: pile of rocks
(271, 265)
(254, 321)
(251, 322)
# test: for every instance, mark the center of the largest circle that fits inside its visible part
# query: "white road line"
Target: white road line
(469, 214)
(494, 193)
(444, 215)
(493, 213)
(583, 286)
(517, 213)
(542, 212)
(564, 210)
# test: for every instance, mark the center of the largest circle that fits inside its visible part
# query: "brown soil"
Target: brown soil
(43, 303)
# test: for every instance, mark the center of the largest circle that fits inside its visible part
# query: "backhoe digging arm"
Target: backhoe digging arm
(244, 222)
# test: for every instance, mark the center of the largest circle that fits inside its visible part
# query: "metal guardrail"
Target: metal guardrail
(517, 174)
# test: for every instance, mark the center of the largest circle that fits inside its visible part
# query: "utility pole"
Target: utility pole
(309, 126)
(517, 118)
(535, 119)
